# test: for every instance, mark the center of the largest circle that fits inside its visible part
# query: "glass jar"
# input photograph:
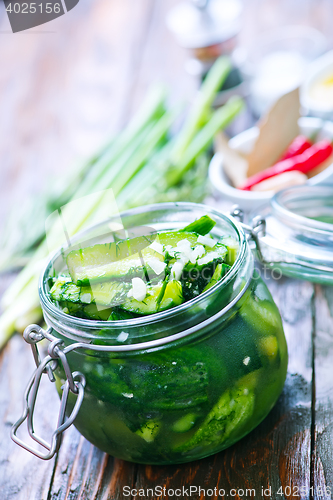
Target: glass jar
(175, 386)
(297, 234)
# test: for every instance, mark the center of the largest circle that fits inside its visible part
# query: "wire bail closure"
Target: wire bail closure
(75, 383)
(257, 229)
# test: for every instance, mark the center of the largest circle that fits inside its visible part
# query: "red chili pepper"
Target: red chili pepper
(305, 162)
(297, 147)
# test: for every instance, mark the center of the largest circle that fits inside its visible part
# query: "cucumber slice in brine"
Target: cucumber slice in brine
(123, 260)
(172, 297)
(110, 293)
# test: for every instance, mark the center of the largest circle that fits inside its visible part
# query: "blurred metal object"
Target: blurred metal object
(200, 4)
(208, 28)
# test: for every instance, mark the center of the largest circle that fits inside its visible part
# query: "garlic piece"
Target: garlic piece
(208, 258)
(157, 247)
(139, 289)
(198, 251)
(156, 265)
(208, 242)
(177, 269)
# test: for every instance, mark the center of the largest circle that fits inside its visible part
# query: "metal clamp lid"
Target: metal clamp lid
(257, 229)
(296, 267)
(75, 383)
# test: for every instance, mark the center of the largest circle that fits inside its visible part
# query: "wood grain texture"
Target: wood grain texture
(323, 409)
(22, 475)
(84, 472)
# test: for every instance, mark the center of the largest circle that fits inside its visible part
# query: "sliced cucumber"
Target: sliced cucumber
(215, 278)
(100, 275)
(262, 315)
(173, 237)
(220, 271)
(196, 277)
(118, 260)
(212, 257)
(104, 253)
(269, 346)
(103, 262)
(90, 311)
(185, 423)
(118, 314)
(110, 293)
(201, 226)
(232, 249)
(232, 410)
(172, 297)
(149, 430)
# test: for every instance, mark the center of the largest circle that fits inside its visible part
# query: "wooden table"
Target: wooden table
(64, 88)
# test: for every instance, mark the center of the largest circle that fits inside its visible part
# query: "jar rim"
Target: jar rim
(75, 324)
(280, 200)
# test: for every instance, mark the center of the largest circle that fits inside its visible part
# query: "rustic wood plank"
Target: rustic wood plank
(22, 475)
(85, 473)
(277, 453)
(323, 411)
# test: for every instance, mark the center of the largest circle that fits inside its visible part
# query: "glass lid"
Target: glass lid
(294, 233)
